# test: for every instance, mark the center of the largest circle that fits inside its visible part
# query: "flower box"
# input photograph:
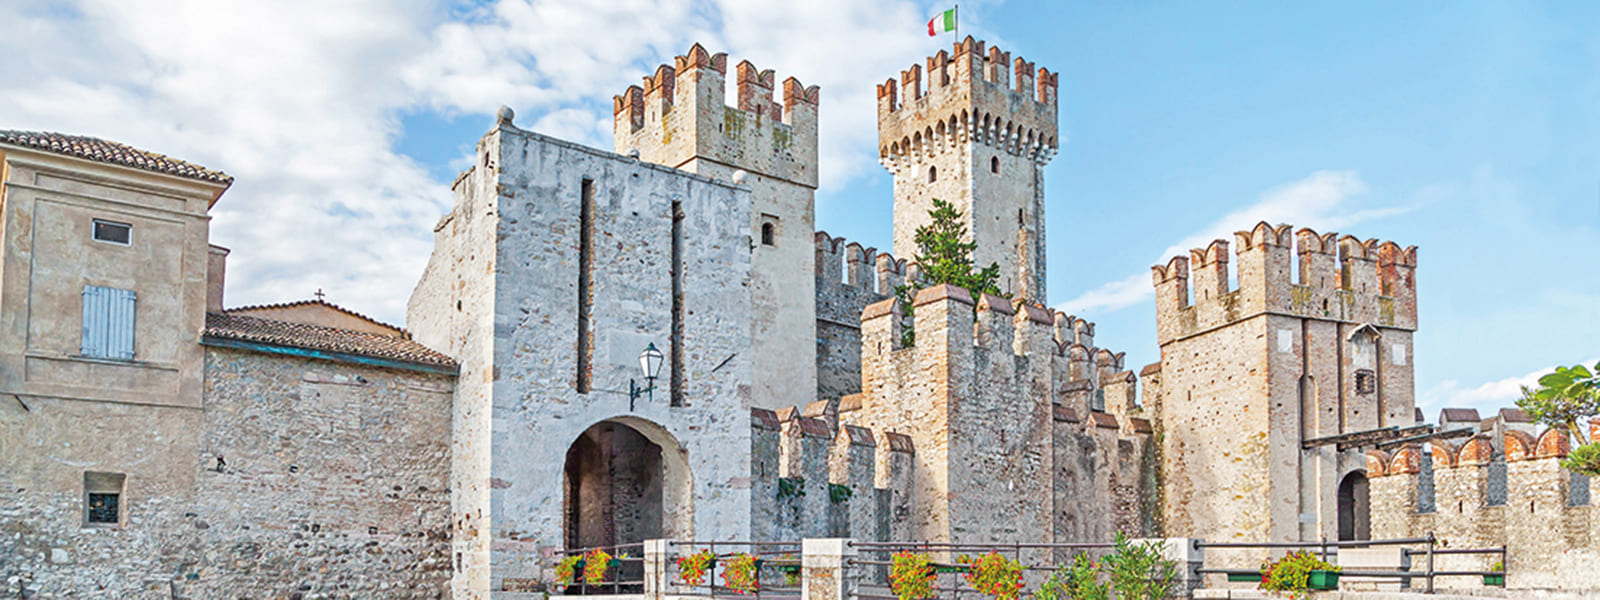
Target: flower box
(1323, 580)
(952, 568)
(1251, 577)
(1495, 580)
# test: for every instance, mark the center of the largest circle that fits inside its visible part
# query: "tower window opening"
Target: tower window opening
(994, 165)
(933, 174)
(768, 235)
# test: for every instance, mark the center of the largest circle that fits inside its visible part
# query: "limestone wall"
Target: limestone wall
(849, 277)
(679, 119)
(300, 476)
(514, 265)
(1475, 496)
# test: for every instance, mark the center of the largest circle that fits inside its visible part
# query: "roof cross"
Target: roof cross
(319, 294)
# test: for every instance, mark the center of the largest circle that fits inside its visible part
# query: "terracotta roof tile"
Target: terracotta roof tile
(98, 150)
(317, 337)
(297, 303)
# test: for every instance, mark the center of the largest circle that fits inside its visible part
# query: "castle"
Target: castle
(304, 450)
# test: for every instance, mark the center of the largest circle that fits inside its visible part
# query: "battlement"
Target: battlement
(1338, 279)
(678, 113)
(843, 262)
(971, 93)
(814, 477)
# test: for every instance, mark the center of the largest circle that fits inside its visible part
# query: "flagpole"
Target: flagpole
(958, 22)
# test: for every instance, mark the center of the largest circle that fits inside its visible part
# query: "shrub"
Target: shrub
(1138, 572)
(911, 576)
(595, 565)
(567, 569)
(1080, 581)
(1292, 573)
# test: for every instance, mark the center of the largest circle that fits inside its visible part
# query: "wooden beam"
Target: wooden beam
(1358, 439)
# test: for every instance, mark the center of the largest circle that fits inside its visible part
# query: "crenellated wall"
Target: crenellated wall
(849, 277)
(678, 119)
(1010, 431)
(1250, 373)
(831, 480)
(1503, 486)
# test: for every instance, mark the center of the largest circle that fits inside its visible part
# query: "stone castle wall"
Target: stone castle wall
(514, 265)
(849, 277)
(1501, 487)
(1249, 373)
(299, 477)
(679, 119)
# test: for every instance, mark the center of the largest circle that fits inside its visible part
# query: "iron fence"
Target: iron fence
(869, 570)
(1427, 549)
(624, 574)
(777, 569)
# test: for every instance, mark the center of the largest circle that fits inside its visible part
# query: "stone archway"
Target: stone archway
(626, 480)
(1355, 508)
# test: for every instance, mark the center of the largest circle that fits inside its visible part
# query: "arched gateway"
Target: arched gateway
(626, 480)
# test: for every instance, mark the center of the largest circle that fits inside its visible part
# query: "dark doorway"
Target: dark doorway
(1355, 509)
(613, 488)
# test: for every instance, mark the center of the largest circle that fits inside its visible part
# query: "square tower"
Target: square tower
(1250, 374)
(679, 119)
(975, 129)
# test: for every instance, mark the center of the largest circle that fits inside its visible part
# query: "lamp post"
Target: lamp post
(650, 363)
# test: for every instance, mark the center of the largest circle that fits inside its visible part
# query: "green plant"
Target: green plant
(839, 494)
(1498, 566)
(692, 569)
(944, 256)
(1565, 399)
(1292, 573)
(595, 565)
(569, 567)
(1080, 581)
(740, 573)
(791, 487)
(1137, 570)
(995, 575)
(911, 576)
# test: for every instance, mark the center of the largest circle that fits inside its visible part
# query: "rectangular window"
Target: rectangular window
(108, 321)
(113, 232)
(103, 497)
(585, 284)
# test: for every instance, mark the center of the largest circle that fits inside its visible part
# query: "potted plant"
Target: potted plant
(789, 565)
(692, 569)
(569, 569)
(1499, 578)
(995, 575)
(911, 576)
(1080, 581)
(595, 565)
(1139, 570)
(1298, 573)
(740, 573)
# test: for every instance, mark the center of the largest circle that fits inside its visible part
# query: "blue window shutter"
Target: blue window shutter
(108, 322)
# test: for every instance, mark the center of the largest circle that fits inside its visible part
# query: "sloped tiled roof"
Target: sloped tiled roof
(98, 150)
(322, 303)
(327, 339)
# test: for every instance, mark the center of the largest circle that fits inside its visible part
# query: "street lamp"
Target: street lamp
(650, 363)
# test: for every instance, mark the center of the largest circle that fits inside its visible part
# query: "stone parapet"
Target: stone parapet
(968, 95)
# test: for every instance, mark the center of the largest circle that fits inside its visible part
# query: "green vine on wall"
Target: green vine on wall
(839, 494)
(791, 487)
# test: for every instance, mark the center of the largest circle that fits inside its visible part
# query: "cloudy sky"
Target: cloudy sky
(1471, 130)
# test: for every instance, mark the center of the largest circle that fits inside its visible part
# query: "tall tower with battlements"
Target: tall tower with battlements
(679, 119)
(974, 128)
(1255, 380)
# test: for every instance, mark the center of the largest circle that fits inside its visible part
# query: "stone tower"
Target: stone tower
(974, 129)
(1248, 375)
(679, 119)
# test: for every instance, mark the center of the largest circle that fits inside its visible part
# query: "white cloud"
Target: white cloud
(1320, 201)
(300, 100)
(1486, 396)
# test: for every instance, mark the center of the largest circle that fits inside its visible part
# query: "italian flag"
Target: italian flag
(942, 22)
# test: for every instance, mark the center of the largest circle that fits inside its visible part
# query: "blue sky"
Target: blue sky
(1468, 129)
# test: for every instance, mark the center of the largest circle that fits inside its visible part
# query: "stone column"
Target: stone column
(824, 569)
(656, 571)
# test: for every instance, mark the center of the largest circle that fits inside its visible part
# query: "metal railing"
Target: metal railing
(869, 570)
(777, 569)
(625, 575)
(1326, 549)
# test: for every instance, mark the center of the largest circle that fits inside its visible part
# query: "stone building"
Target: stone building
(153, 445)
(1250, 376)
(608, 347)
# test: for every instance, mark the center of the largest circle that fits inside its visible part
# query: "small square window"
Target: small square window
(113, 232)
(102, 494)
(1366, 381)
(103, 508)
